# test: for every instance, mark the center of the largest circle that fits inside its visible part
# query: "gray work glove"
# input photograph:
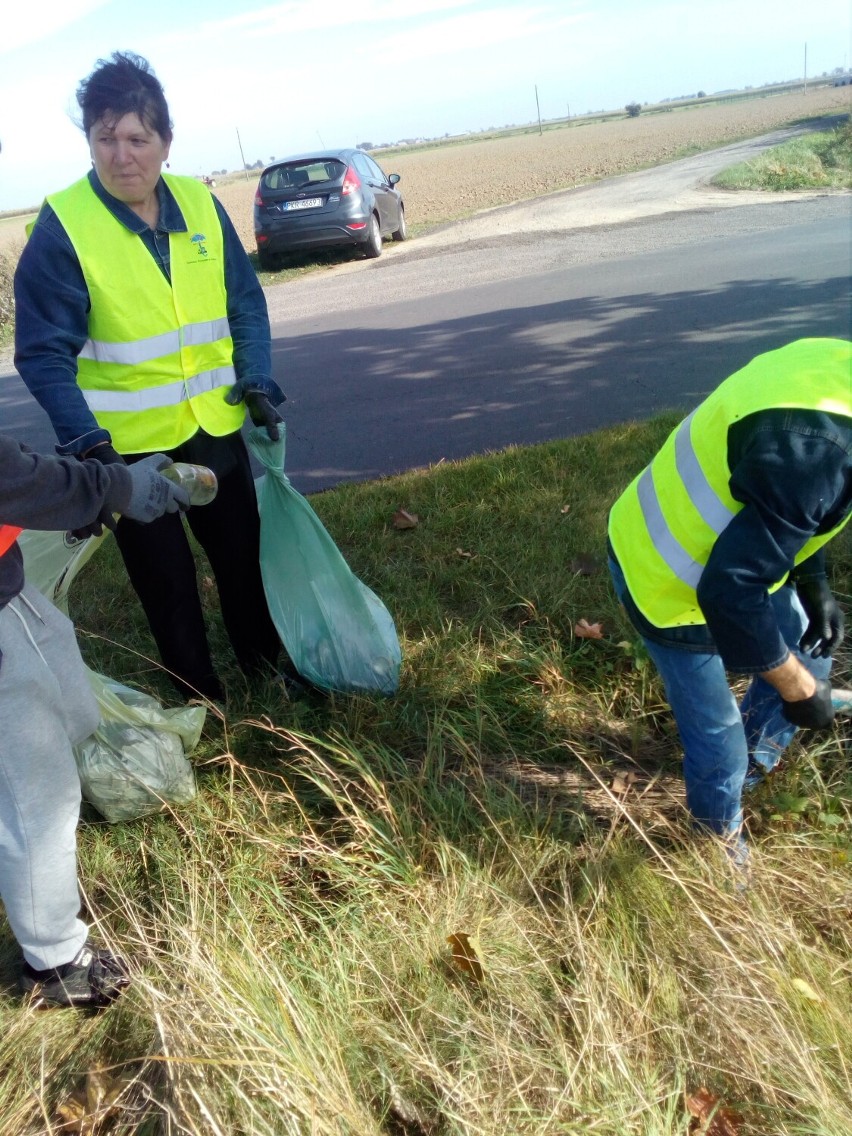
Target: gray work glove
(814, 713)
(824, 633)
(152, 494)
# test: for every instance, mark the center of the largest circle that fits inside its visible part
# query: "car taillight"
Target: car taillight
(350, 183)
(258, 200)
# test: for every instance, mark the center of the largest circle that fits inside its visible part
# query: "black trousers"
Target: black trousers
(161, 568)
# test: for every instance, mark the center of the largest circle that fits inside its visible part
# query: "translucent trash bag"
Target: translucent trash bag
(337, 632)
(134, 764)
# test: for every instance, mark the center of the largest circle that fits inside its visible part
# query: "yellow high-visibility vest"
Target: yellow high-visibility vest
(159, 358)
(663, 527)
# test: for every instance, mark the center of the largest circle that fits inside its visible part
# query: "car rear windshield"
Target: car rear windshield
(296, 175)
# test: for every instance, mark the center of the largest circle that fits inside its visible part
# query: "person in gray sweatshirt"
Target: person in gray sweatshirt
(47, 707)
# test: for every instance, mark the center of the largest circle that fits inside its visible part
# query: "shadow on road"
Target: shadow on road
(406, 398)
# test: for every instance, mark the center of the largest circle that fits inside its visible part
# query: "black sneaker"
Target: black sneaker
(94, 978)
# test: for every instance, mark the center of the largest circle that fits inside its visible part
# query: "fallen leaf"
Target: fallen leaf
(72, 1113)
(565, 509)
(85, 1110)
(404, 1110)
(404, 520)
(464, 956)
(709, 1117)
(465, 555)
(806, 990)
(620, 785)
(585, 630)
(207, 584)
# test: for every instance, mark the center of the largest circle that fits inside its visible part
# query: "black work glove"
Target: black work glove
(825, 619)
(152, 494)
(263, 413)
(106, 455)
(814, 713)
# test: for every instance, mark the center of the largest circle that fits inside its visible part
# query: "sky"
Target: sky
(279, 78)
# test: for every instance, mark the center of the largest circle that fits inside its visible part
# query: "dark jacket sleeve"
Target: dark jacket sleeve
(792, 471)
(41, 492)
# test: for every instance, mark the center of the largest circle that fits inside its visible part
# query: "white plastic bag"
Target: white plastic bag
(134, 764)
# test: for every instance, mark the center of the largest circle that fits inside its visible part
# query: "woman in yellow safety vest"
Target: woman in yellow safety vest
(717, 554)
(142, 328)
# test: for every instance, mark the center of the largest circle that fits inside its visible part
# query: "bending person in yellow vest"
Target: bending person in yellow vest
(716, 552)
(141, 328)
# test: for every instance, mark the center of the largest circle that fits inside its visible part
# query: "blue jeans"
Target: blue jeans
(719, 737)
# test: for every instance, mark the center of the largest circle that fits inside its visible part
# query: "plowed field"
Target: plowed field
(453, 181)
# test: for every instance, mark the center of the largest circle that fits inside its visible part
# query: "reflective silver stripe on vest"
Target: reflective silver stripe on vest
(713, 511)
(156, 346)
(155, 398)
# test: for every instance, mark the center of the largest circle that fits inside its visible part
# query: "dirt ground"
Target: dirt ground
(459, 180)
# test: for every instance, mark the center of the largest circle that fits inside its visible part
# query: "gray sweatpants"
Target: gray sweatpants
(46, 706)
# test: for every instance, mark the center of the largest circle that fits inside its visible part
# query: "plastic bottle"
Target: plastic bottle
(199, 481)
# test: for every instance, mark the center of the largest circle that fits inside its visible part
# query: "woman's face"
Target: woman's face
(128, 157)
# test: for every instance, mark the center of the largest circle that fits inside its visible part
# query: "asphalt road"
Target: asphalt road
(541, 320)
(405, 382)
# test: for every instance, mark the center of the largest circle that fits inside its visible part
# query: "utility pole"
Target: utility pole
(805, 87)
(242, 155)
(538, 108)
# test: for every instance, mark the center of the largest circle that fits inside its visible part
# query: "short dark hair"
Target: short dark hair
(124, 84)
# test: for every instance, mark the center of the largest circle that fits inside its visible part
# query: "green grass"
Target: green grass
(288, 929)
(818, 161)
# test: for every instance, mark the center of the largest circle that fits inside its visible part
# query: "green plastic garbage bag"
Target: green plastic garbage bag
(337, 632)
(135, 762)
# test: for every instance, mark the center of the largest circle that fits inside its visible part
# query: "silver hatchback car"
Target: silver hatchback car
(326, 199)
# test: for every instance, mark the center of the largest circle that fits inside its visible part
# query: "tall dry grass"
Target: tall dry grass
(289, 930)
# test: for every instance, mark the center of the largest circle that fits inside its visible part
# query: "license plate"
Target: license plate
(307, 203)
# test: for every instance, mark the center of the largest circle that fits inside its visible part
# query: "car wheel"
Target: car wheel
(373, 244)
(402, 231)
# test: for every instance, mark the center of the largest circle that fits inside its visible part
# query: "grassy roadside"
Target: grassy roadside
(289, 928)
(816, 161)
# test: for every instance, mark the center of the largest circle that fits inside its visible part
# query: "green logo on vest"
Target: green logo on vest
(198, 240)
